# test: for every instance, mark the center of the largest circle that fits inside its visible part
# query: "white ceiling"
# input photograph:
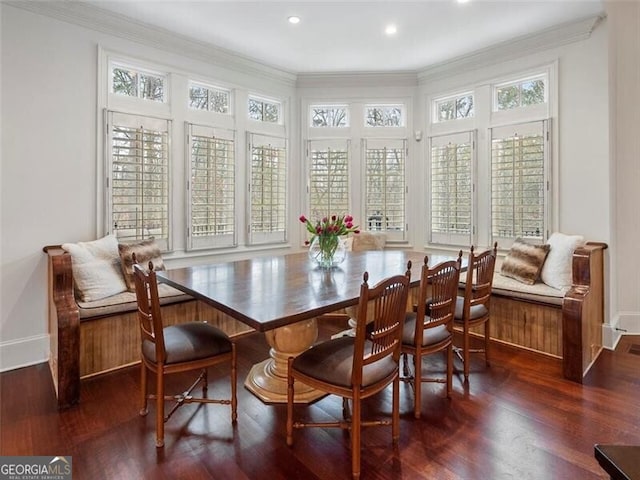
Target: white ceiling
(348, 36)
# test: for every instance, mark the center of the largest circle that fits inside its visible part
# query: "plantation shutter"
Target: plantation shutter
(385, 186)
(267, 189)
(328, 177)
(138, 177)
(519, 188)
(451, 174)
(211, 187)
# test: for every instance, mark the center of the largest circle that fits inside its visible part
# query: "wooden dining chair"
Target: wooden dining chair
(178, 348)
(430, 332)
(472, 310)
(356, 368)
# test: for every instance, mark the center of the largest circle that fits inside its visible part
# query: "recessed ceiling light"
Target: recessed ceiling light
(391, 29)
(293, 19)
(463, 1)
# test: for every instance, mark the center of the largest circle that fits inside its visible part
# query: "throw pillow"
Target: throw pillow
(96, 268)
(146, 251)
(524, 261)
(364, 241)
(557, 270)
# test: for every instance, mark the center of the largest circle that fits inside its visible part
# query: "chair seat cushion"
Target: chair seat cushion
(189, 342)
(477, 311)
(430, 336)
(332, 362)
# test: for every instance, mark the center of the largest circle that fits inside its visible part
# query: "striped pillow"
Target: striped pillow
(146, 251)
(524, 261)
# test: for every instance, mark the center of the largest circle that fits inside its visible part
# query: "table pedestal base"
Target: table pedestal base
(267, 380)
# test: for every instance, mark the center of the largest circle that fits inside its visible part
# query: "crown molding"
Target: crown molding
(510, 50)
(357, 79)
(94, 18)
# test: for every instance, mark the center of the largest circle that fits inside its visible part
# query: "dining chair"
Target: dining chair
(356, 368)
(178, 348)
(472, 309)
(430, 332)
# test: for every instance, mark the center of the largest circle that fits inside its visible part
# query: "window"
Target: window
(519, 187)
(328, 177)
(384, 116)
(211, 187)
(138, 177)
(451, 188)
(137, 83)
(268, 195)
(522, 93)
(329, 116)
(209, 98)
(264, 110)
(454, 108)
(385, 186)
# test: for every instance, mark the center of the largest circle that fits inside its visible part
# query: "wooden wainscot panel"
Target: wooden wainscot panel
(533, 326)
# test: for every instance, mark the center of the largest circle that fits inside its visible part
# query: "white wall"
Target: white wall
(50, 164)
(624, 70)
(49, 157)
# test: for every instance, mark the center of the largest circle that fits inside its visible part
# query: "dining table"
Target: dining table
(283, 296)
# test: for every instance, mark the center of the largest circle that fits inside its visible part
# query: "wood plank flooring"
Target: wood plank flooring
(517, 419)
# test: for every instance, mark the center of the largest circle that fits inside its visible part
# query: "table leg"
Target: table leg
(268, 380)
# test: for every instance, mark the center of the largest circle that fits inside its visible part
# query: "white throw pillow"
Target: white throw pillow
(557, 268)
(96, 268)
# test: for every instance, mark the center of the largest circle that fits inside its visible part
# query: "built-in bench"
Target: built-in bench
(562, 324)
(90, 338)
(87, 339)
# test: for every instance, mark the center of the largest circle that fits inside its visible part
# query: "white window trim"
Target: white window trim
(212, 241)
(229, 92)
(458, 240)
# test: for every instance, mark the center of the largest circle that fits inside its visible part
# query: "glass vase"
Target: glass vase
(328, 250)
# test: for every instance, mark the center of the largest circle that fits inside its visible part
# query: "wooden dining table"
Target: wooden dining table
(282, 296)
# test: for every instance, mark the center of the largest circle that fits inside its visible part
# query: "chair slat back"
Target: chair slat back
(440, 285)
(380, 319)
(149, 316)
(480, 277)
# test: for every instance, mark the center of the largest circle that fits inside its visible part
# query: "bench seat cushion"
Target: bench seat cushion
(538, 292)
(126, 302)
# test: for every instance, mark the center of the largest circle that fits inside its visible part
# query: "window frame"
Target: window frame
(437, 101)
(114, 63)
(368, 144)
(165, 244)
(325, 143)
(401, 107)
(265, 100)
(519, 82)
(506, 241)
(328, 106)
(210, 87)
(207, 242)
(276, 236)
(449, 238)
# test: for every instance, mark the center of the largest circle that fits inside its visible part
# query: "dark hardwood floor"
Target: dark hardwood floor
(518, 419)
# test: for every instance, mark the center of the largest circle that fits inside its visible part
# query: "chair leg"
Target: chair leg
(355, 436)
(487, 336)
(417, 385)
(234, 385)
(449, 369)
(205, 382)
(159, 407)
(466, 353)
(290, 382)
(395, 418)
(144, 409)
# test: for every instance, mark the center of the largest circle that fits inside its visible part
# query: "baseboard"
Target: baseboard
(625, 323)
(24, 352)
